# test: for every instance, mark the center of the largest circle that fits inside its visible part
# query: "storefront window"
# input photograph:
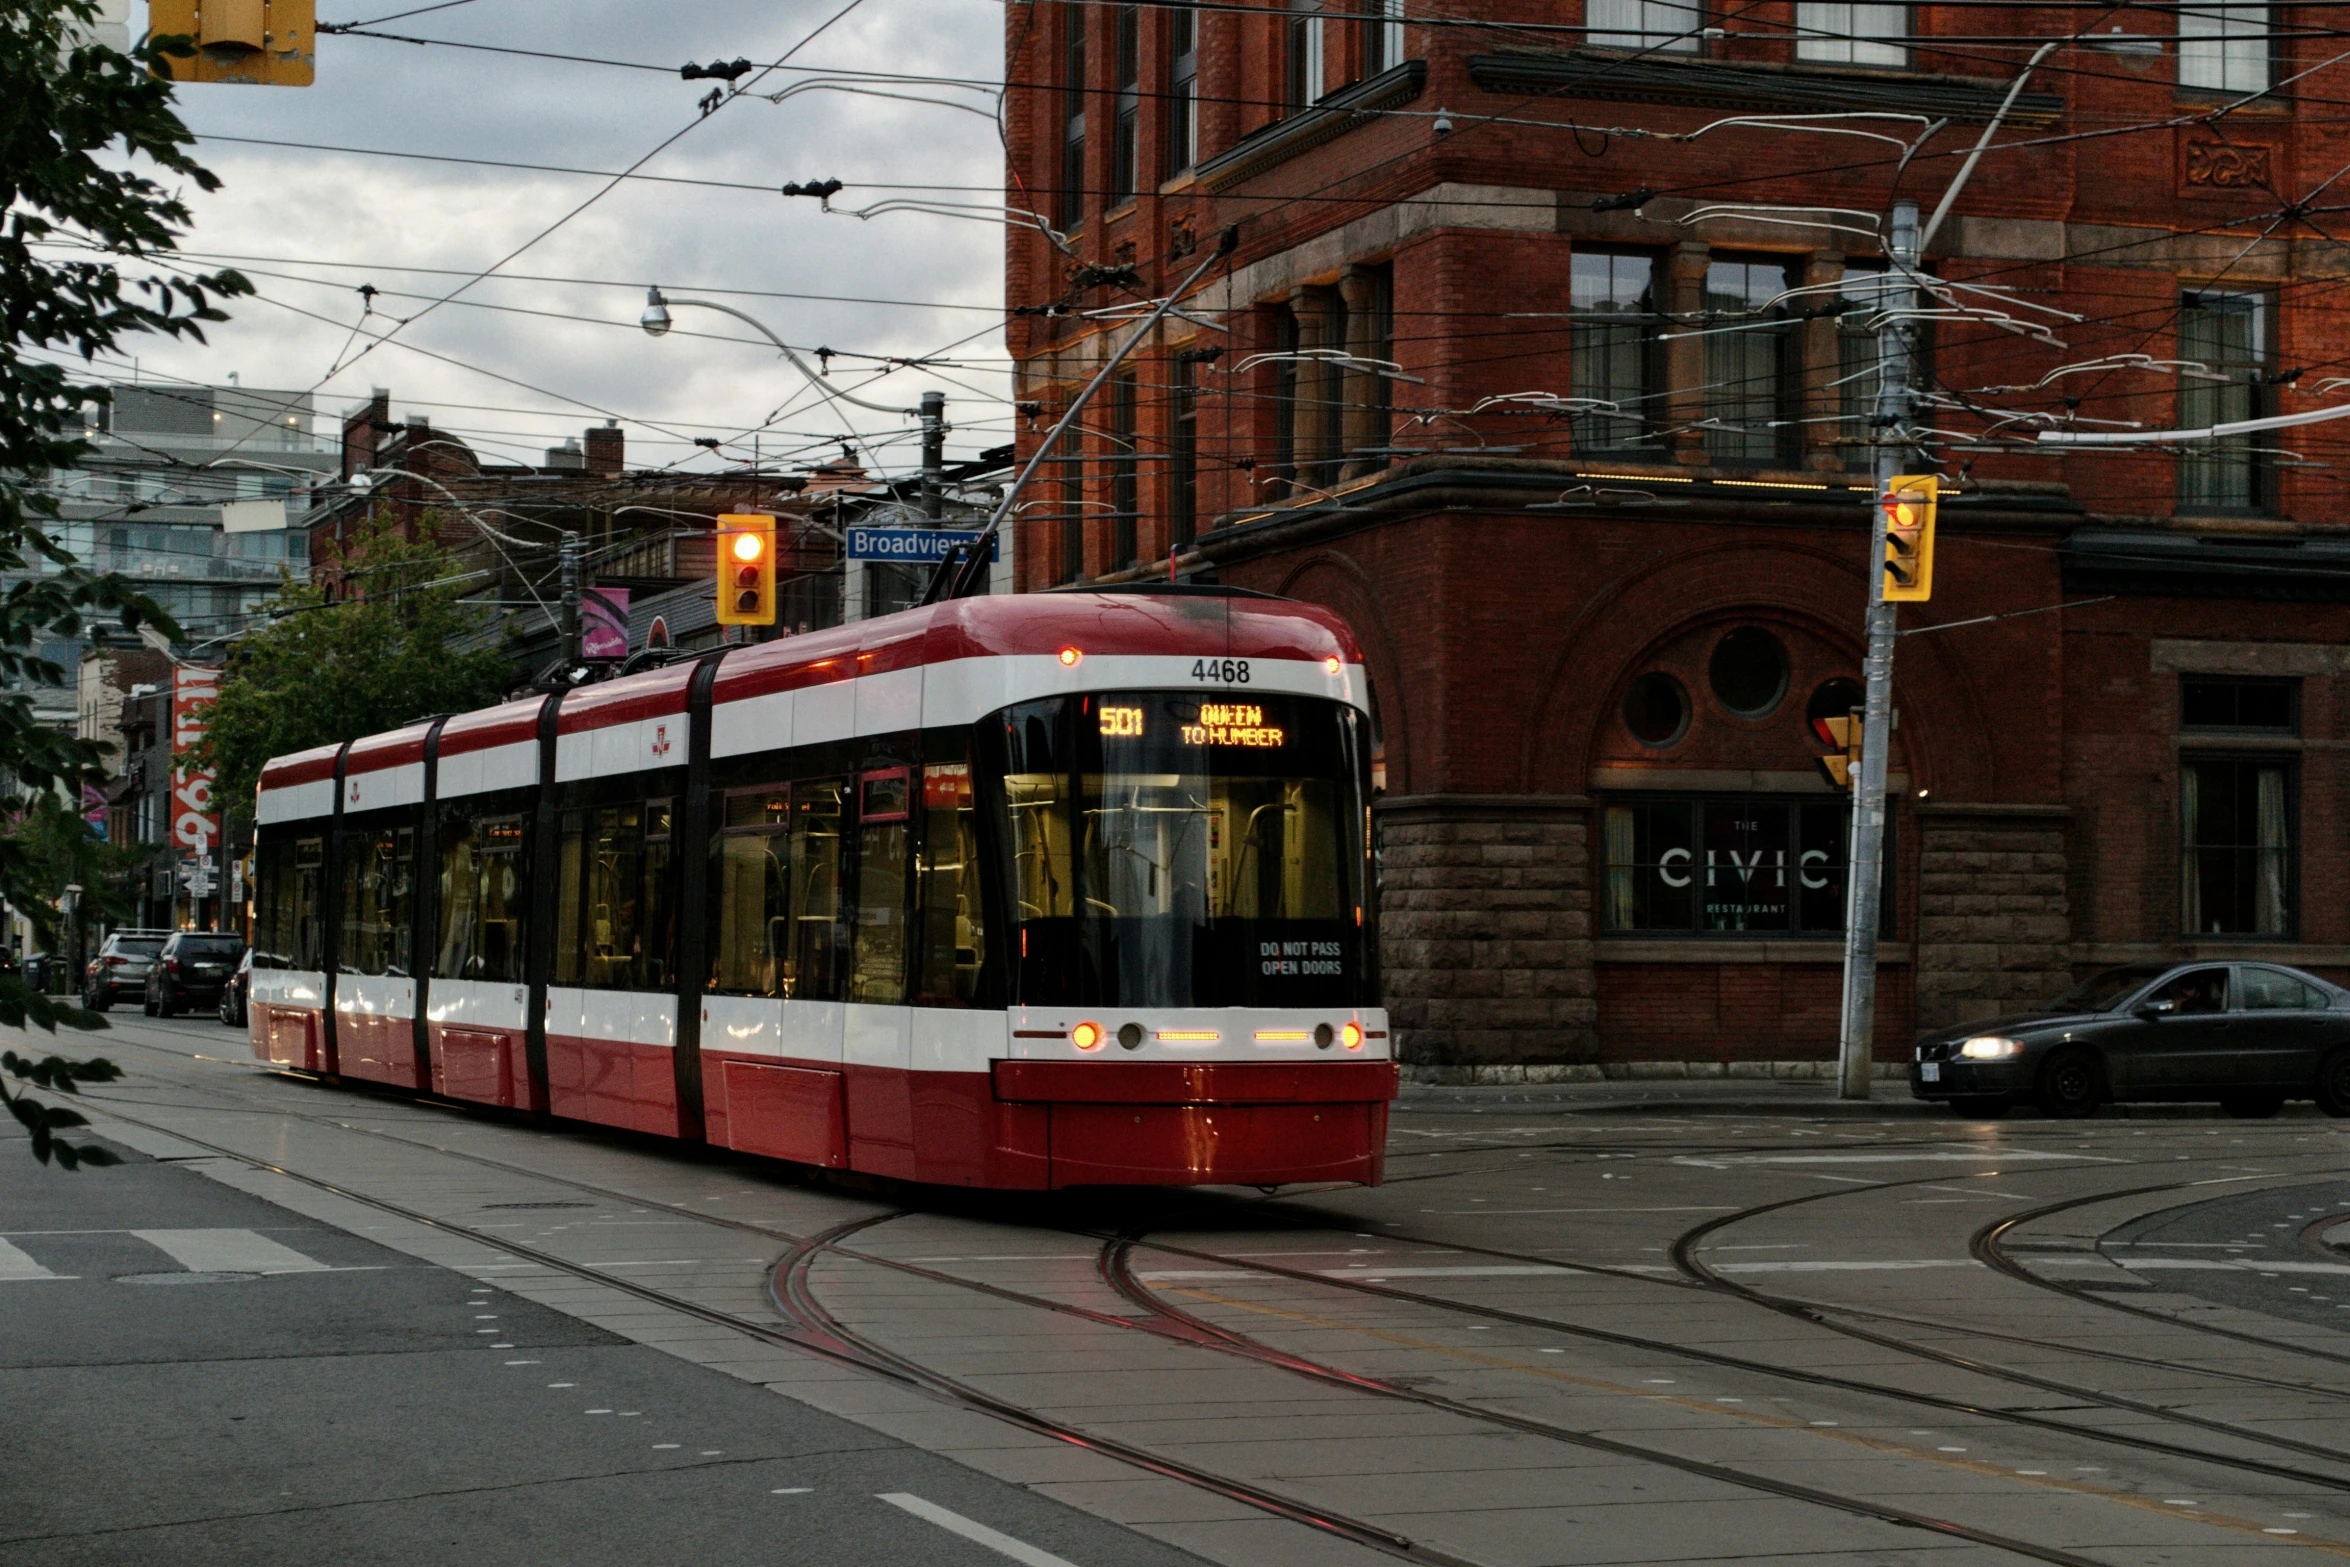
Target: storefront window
(1726, 867)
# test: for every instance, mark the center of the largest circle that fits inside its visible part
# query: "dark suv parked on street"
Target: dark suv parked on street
(122, 967)
(191, 970)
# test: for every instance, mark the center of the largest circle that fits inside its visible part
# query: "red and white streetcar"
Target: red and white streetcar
(1035, 891)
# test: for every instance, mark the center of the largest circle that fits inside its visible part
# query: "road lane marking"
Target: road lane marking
(1981, 1156)
(17, 1268)
(1843, 1267)
(229, 1251)
(978, 1533)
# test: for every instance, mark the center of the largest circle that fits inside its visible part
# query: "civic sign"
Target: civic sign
(927, 546)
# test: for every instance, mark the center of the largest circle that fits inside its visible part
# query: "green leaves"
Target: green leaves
(45, 1121)
(91, 157)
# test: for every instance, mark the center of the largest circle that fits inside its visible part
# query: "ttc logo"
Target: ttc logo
(354, 791)
(660, 739)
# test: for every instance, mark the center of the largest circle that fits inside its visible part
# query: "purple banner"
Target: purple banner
(603, 624)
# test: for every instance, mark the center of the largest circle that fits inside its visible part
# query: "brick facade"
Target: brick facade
(1509, 586)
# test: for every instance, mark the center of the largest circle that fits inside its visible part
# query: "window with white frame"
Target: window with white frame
(2223, 336)
(1305, 53)
(1852, 34)
(1382, 36)
(1644, 24)
(2223, 45)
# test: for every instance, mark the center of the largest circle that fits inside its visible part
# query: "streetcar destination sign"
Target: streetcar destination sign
(928, 545)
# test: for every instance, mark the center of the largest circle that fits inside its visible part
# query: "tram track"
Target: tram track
(1984, 1246)
(819, 1331)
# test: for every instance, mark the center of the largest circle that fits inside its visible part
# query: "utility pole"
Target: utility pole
(934, 453)
(1865, 869)
(571, 553)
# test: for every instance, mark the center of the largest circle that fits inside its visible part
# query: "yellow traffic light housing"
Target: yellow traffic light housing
(1906, 511)
(265, 43)
(1843, 733)
(746, 569)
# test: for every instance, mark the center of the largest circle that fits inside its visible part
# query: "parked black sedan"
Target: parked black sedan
(2250, 1035)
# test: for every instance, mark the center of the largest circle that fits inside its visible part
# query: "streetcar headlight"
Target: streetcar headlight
(1070, 656)
(1086, 1036)
(1991, 1047)
(1351, 1036)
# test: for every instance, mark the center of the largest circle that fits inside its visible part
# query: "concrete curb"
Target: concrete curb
(1545, 1073)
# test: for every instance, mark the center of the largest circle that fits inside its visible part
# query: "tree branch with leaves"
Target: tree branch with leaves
(85, 133)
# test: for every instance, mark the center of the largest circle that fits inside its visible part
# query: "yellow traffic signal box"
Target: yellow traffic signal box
(1906, 511)
(264, 43)
(746, 569)
(1843, 733)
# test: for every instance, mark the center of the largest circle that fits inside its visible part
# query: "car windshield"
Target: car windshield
(2103, 992)
(208, 948)
(138, 946)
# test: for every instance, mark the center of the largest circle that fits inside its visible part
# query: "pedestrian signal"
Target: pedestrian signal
(1844, 734)
(266, 43)
(1907, 511)
(746, 570)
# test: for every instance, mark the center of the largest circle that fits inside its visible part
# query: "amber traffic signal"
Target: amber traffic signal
(746, 570)
(268, 43)
(1906, 510)
(1843, 733)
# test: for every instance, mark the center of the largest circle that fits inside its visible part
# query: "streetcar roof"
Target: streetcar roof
(637, 722)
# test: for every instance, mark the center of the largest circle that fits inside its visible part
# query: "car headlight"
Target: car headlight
(1991, 1047)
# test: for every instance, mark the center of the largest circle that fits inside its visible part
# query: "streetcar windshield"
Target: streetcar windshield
(1177, 849)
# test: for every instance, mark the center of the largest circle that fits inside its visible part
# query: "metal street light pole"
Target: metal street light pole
(1864, 871)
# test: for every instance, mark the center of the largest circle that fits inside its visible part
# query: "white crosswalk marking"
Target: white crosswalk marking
(955, 1523)
(16, 1267)
(229, 1251)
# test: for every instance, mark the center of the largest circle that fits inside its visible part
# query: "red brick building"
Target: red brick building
(1552, 398)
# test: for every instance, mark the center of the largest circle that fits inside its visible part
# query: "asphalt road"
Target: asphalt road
(1635, 1324)
(304, 1394)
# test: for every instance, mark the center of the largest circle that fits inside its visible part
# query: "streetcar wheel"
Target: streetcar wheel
(2251, 1106)
(2071, 1085)
(2333, 1084)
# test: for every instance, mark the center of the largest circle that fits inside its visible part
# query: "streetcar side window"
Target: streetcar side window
(656, 965)
(753, 945)
(273, 865)
(953, 934)
(569, 832)
(483, 894)
(820, 945)
(615, 879)
(308, 914)
(378, 897)
(884, 817)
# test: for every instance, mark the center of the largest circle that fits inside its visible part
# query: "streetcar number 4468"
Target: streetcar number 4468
(1226, 671)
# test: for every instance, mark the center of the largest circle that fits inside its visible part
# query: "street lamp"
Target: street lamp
(656, 321)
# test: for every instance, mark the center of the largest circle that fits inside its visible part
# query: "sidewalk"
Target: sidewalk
(1734, 1096)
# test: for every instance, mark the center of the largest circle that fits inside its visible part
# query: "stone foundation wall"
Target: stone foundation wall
(1994, 921)
(1485, 930)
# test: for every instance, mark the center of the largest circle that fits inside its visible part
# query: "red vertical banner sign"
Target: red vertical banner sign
(194, 827)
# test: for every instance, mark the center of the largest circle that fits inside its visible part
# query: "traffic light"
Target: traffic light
(266, 43)
(1907, 511)
(746, 570)
(1843, 733)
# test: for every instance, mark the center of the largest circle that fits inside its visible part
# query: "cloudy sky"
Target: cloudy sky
(549, 344)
